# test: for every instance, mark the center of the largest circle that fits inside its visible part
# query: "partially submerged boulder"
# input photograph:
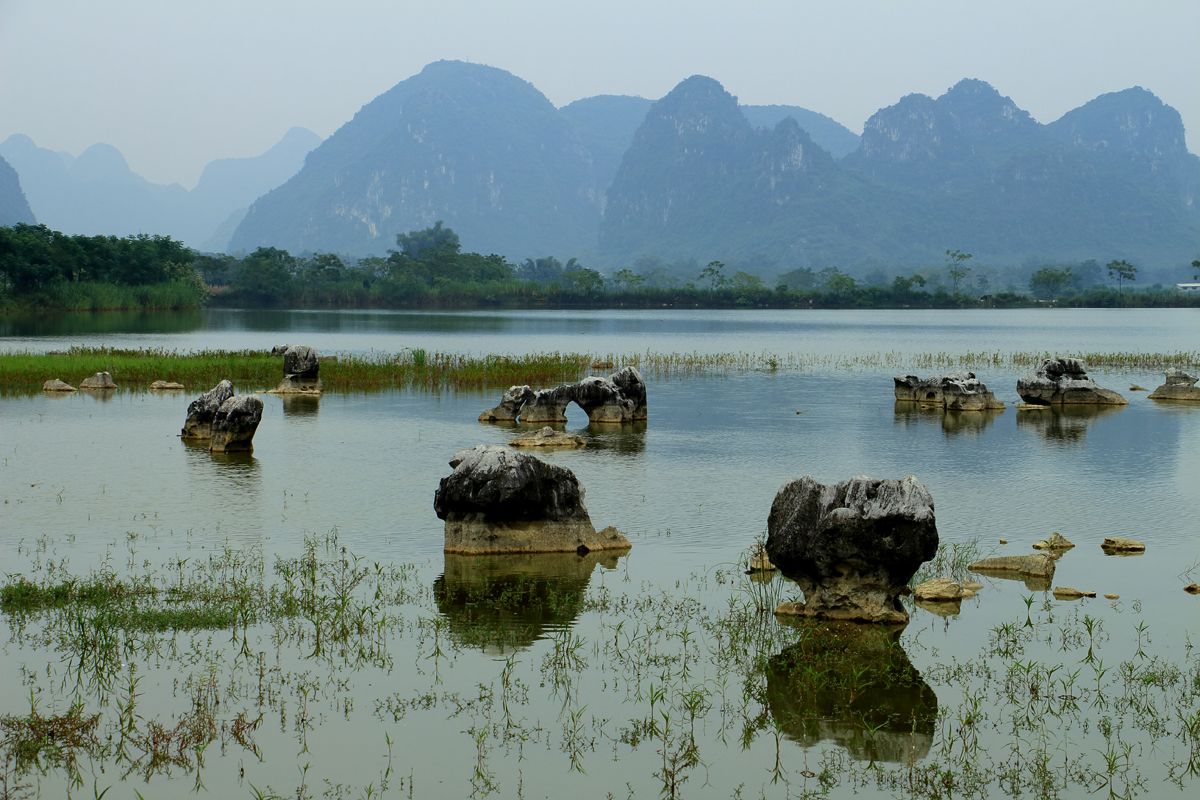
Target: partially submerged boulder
(1121, 544)
(1071, 593)
(852, 546)
(548, 406)
(1179, 385)
(234, 424)
(99, 381)
(1037, 565)
(499, 500)
(510, 405)
(1064, 381)
(301, 371)
(619, 398)
(956, 391)
(548, 437)
(55, 385)
(166, 386)
(1055, 542)
(939, 590)
(202, 411)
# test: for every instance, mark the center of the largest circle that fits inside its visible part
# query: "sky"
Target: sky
(176, 84)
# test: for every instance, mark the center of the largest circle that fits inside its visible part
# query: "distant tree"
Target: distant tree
(745, 282)
(627, 279)
(542, 270)
(584, 280)
(714, 274)
(801, 278)
(429, 244)
(1121, 271)
(956, 262)
(841, 285)
(903, 286)
(265, 276)
(1049, 283)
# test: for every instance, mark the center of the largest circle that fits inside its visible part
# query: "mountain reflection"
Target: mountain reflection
(855, 686)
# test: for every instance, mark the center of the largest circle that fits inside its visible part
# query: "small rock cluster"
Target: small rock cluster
(226, 422)
(621, 397)
(957, 391)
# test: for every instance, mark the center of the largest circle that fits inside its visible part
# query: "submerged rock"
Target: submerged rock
(55, 385)
(1071, 593)
(166, 386)
(1055, 541)
(1179, 385)
(1037, 565)
(202, 410)
(1121, 544)
(548, 437)
(501, 501)
(1064, 381)
(101, 380)
(853, 546)
(301, 371)
(956, 391)
(234, 424)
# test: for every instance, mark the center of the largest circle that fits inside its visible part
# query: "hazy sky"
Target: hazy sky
(176, 83)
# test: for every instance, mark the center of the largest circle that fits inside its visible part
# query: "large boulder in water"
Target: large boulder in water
(629, 381)
(549, 406)
(619, 398)
(1179, 385)
(510, 405)
(202, 410)
(500, 501)
(956, 391)
(852, 547)
(235, 422)
(301, 371)
(1064, 381)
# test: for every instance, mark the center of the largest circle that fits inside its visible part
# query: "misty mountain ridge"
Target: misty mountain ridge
(97, 192)
(14, 209)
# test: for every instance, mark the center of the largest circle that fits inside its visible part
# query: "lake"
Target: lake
(655, 673)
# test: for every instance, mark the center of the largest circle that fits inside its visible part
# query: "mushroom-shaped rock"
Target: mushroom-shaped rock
(235, 422)
(202, 410)
(1064, 381)
(498, 500)
(55, 385)
(548, 405)
(853, 546)
(1179, 385)
(101, 380)
(301, 370)
(510, 406)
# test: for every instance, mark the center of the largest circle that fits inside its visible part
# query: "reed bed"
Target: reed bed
(252, 369)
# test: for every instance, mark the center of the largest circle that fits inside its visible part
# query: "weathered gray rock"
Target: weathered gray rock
(548, 437)
(629, 381)
(853, 546)
(548, 406)
(603, 401)
(55, 385)
(501, 501)
(1036, 565)
(1055, 542)
(1179, 385)
(101, 380)
(939, 590)
(301, 371)
(956, 391)
(279, 349)
(202, 410)
(166, 386)
(1122, 544)
(1064, 381)
(510, 405)
(1071, 593)
(235, 422)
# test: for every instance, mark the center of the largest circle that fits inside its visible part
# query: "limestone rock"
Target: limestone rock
(759, 562)
(1192, 588)
(166, 386)
(301, 371)
(956, 391)
(853, 546)
(1133, 387)
(939, 590)
(101, 380)
(1112, 597)
(1121, 544)
(510, 405)
(1064, 381)
(1179, 385)
(1037, 565)
(1055, 541)
(603, 401)
(202, 410)
(630, 382)
(234, 424)
(548, 437)
(56, 385)
(501, 501)
(1070, 593)
(548, 406)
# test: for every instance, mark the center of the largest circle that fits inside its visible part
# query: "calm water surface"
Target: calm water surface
(103, 483)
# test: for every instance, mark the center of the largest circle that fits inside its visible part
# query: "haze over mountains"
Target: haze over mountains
(694, 175)
(14, 208)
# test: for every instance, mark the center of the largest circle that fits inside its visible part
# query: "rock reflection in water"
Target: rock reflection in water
(300, 405)
(627, 437)
(230, 482)
(953, 423)
(855, 686)
(1068, 423)
(501, 603)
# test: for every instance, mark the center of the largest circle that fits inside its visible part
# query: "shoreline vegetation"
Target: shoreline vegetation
(420, 369)
(42, 269)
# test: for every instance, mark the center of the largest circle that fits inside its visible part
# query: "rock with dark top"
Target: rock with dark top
(1179, 385)
(629, 381)
(603, 401)
(853, 546)
(511, 403)
(101, 380)
(55, 385)
(279, 349)
(202, 410)
(956, 391)
(549, 406)
(301, 371)
(235, 422)
(500, 501)
(1064, 381)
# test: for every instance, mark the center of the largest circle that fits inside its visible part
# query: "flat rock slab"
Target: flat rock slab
(1121, 544)
(166, 386)
(548, 437)
(476, 537)
(56, 385)
(1054, 542)
(1179, 385)
(1071, 593)
(1036, 565)
(939, 590)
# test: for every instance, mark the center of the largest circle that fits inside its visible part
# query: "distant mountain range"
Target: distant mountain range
(693, 175)
(13, 207)
(98, 193)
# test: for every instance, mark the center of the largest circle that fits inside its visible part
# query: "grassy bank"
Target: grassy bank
(252, 369)
(100, 296)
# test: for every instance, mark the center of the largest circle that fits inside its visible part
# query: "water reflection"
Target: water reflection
(855, 686)
(1067, 424)
(300, 405)
(501, 603)
(83, 323)
(952, 423)
(230, 483)
(629, 437)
